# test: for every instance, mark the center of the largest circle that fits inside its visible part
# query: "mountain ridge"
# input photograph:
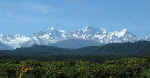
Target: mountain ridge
(54, 36)
(128, 48)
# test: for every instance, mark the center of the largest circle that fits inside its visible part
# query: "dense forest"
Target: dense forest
(116, 60)
(129, 67)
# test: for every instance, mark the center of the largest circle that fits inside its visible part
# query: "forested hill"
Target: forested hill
(141, 47)
(137, 48)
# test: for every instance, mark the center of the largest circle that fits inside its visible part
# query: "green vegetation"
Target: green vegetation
(116, 60)
(127, 67)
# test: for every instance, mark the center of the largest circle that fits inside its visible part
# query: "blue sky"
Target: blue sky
(27, 16)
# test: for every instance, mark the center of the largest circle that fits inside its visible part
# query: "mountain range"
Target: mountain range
(140, 48)
(83, 37)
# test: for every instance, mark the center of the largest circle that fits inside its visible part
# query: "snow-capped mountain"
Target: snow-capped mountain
(52, 36)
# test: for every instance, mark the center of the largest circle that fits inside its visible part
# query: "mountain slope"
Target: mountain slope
(140, 47)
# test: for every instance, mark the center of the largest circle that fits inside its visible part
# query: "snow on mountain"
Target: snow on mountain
(52, 35)
(85, 33)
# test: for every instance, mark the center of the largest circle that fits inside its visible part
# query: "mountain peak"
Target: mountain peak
(103, 30)
(51, 28)
(87, 29)
(123, 32)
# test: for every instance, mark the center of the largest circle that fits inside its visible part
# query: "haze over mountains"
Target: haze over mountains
(83, 37)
